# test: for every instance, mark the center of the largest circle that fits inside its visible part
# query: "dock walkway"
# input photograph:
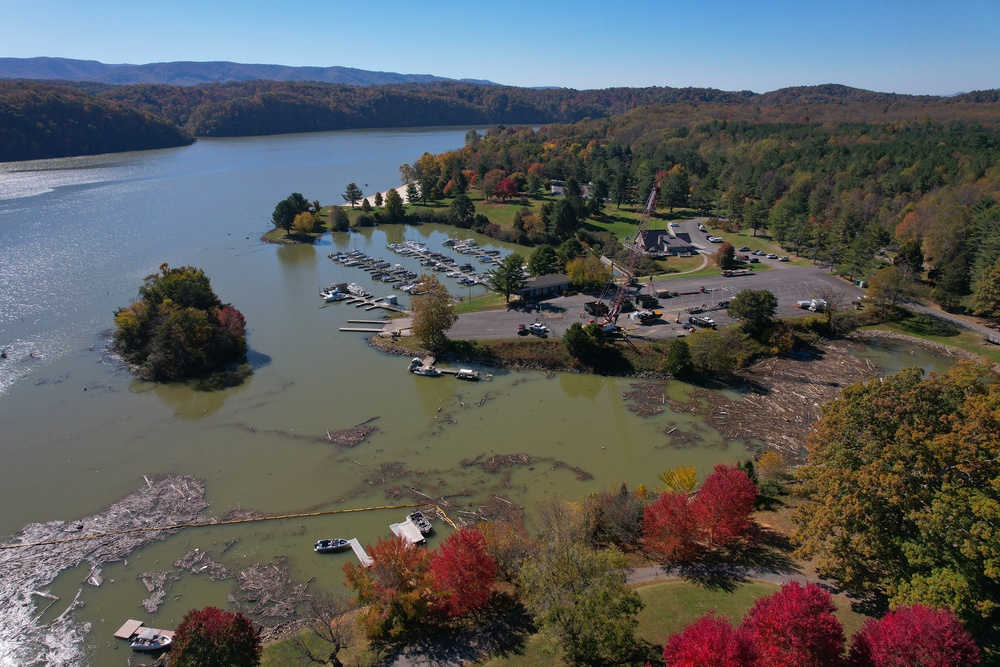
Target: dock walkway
(360, 552)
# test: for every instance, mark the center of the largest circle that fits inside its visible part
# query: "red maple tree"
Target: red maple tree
(708, 642)
(233, 320)
(213, 637)
(506, 189)
(397, 588)
(795, 626)
(463, 572)
(724, 505)
(669, 527)
(914, 636)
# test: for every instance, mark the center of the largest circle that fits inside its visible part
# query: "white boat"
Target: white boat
(149, 641)
(428, 371)
(467, 374)
(330, 546)
(334, 295)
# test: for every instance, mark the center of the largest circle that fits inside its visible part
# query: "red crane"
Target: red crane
(631, 260)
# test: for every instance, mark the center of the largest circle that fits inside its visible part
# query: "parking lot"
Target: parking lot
(788, 283)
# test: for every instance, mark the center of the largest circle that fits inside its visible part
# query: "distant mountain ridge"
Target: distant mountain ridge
(189, 73)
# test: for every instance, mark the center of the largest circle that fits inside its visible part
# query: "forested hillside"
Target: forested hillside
(275, 107)
(42, 121)
(837, 192)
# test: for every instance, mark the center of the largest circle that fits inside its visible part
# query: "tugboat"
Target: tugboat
(331, 545)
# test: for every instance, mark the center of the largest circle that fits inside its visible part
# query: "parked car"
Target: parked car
(539, 329)
(771, 255)
(754, 260)
(783, 258)
(715, 239)
(757, 252)
(522, 330)
(675, 224)
(745, 249)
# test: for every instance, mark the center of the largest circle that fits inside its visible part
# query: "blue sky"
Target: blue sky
(922, 46)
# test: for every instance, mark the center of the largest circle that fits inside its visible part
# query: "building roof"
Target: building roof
(546, 281)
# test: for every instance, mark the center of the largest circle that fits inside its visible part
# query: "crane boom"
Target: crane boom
(631, 260)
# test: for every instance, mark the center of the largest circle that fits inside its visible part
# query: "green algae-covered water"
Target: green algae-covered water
(76, 238)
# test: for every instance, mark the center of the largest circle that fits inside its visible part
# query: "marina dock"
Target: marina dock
(132, 628)
(408, 531)
(360, 552)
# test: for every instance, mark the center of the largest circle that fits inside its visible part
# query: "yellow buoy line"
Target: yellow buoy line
(218, 523)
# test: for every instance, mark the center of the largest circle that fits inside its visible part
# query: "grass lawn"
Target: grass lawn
(488, 301)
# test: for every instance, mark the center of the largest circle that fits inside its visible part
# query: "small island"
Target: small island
(179, 328)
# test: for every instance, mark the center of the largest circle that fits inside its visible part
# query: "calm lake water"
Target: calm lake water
(78, 235)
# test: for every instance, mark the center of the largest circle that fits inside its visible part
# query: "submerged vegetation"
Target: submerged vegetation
(179, 328)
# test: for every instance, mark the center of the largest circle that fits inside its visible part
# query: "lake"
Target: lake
(77, 237)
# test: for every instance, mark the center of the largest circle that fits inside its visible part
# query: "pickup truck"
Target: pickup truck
(539, 329)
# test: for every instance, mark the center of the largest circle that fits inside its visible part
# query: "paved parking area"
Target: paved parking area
(788, 283)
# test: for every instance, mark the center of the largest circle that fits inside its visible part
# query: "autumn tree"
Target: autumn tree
(506, 189)
(724, 505)
(179, 328)
(614, 516)
(508, 278)
(795, 626)
(886, 288)
(286, 210)
(756, 308)
(682, 479)
(588, 272)
(396, 590)
(463, 573)
(986, 299)
(902, 486)
(914, 636)
(213, 637)
(432, 313)
(508, 544)
(304, 223)
(353, 194)
(725, 256)
(711, 641)
(669, 528)
(579, 596)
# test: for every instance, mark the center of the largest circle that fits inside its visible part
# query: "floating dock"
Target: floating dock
(408, 531)
(359, 551)
(131, 629)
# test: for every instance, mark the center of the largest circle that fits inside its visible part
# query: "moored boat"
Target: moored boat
(422, 523)
(331, 545)
(150, 640)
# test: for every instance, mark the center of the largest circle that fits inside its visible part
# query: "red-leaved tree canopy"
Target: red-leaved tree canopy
(914, 636)
(669, 528)
(724, 505)
(213, 637)
(795, 626)
(463, 572)
(708, 642)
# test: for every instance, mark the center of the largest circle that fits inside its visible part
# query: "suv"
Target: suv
(771, 255)
(522, 330)
(539, 329)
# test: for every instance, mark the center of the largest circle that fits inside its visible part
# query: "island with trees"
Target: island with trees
(179, 328)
